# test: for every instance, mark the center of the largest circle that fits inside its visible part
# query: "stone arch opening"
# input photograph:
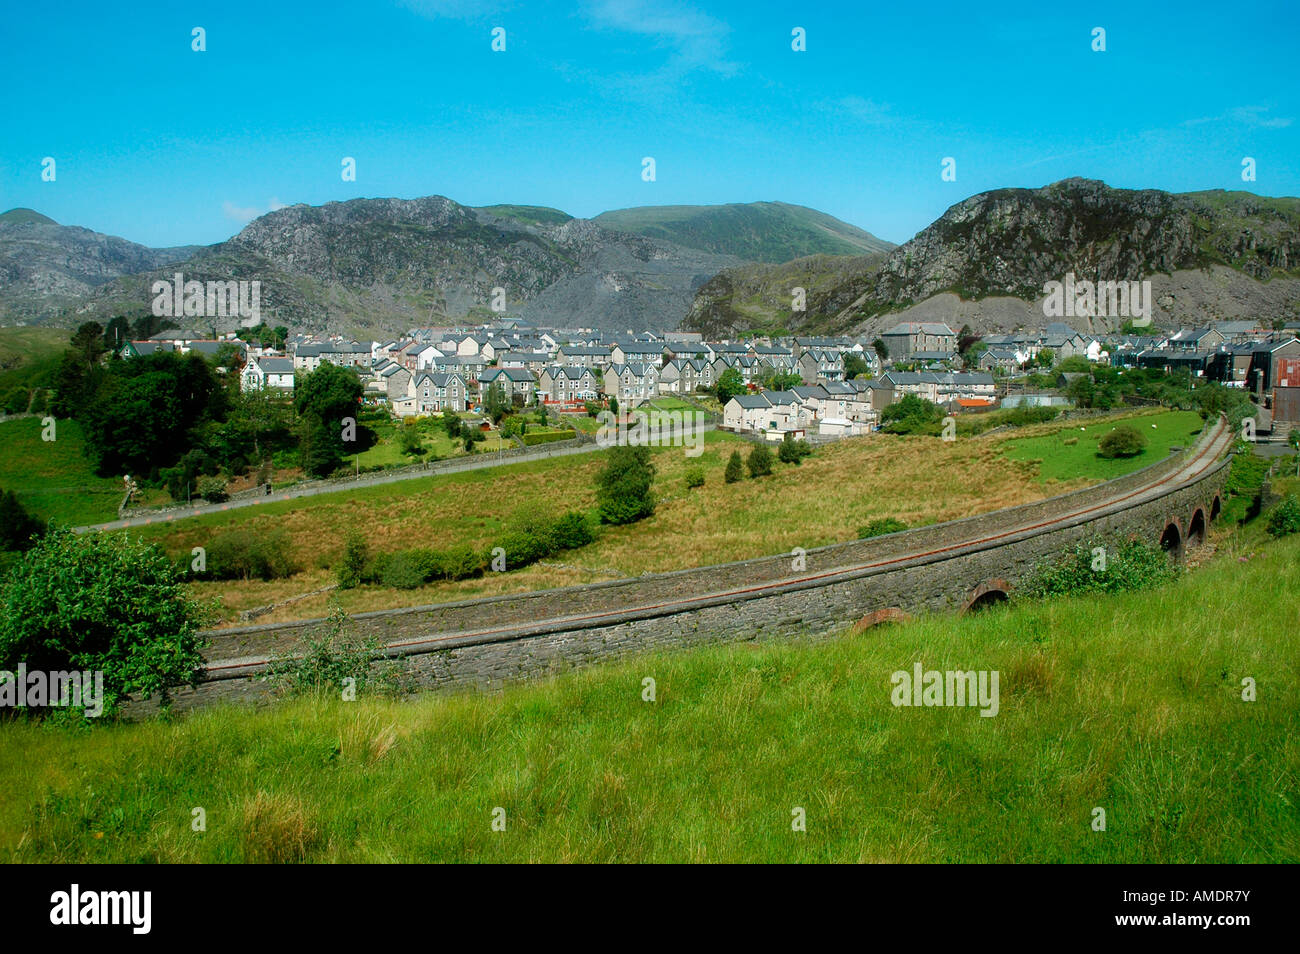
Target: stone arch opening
(1215, 507)
(881, 617)
(987, 594)
(1171, 541)
(1196, 528)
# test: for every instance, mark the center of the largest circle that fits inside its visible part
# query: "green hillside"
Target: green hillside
(1131, 703)
(755, 231)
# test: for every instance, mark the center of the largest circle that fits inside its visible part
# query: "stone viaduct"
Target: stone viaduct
(961, 565)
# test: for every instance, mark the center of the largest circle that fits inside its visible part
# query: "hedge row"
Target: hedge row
(523, 545)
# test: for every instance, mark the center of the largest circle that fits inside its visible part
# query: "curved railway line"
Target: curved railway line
(1194, 464)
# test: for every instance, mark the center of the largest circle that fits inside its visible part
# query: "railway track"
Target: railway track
(1212, 445)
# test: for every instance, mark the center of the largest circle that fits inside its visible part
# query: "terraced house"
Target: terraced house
(564, 385)
(583, 356)
(514, 382)
(684, 375)
(816, 365)
(631, 383)
(439, 391)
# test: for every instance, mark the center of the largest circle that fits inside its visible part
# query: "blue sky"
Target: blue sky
(165, 146)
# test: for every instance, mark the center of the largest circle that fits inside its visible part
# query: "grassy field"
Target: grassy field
(1132, 704)
(1059, 461)
(53, 479)
(21, 346)
(843, 486)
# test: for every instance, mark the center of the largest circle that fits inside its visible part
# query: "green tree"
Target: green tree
(325, 400)
(1123, 441)
(624, 491)
(760, 461)
(854, 365)
(353, 564)
(495, 403)
(735, 468)
(144, 413)
(730, 384)
(117, 333)
(99, 601)
(881, 349)
(793, 451)
(911, 414)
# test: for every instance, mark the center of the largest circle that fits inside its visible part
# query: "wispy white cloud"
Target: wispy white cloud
(694, 39)
(1252, 117)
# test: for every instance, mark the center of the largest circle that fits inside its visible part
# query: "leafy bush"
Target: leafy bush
(1124, 441)
(760, 461)
(911, 415)
(331, 655)
(213, 489)
(1285, 518)
(735, 469)
(624, 488)
(242, 554)
(404, 570)
(101, 602)
(1133, 565)
(878, 528)
(571, 531)
(460, 562)
(353, 565)
(694, 478)
(793, 451)
(524, 548)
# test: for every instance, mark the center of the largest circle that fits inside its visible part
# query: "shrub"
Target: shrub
(333, 653)
(1070, 441)
(695, 478)
(1133, 565)
(793, 451)
(523, 548)
(1285, 518)
(760, 461)
(242, 554)
(213, 489)
(878, 528)
(353, 565)
(735, 469)
(460, 562)
(571, 531)
(101, 602)
(1123, 441)
(623, 488)
(403, 570)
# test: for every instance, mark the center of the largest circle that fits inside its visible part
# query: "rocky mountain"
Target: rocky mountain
(46, 267)
(1209, 255)
(378, 266)
(755, 231)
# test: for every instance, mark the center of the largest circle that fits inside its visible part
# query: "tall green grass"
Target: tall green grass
(1131, 703)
